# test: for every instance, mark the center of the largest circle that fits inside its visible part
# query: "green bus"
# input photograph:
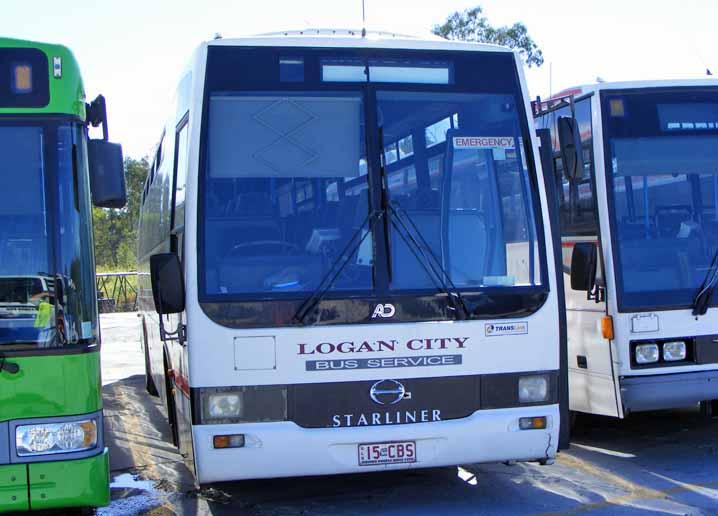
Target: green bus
(52, 453)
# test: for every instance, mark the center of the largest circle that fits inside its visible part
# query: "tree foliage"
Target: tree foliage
(116, 230)
(471, 25)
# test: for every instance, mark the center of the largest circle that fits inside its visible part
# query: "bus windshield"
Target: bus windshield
(662, 156)
(322, 181)
(32, 276)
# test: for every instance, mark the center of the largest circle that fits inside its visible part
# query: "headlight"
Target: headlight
(224, 405)
(47, 438)
(646, 353)
(675, 350)
(533, 388)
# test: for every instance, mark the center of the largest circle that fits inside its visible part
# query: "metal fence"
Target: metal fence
(116, 291)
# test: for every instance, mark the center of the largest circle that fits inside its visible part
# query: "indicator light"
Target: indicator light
(532, 423)
(228, 441)
(607, 327)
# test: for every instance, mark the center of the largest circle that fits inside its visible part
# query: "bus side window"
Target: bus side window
(180, 174)
(577, 204)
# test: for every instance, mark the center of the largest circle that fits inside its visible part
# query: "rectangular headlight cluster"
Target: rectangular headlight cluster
(533, 389)
(59, 437)
(243, 404)
(655, 352)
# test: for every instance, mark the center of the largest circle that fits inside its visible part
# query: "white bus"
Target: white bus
(639, 227)
(344, 262)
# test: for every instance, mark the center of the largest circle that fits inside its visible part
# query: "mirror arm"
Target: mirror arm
(97, 114)
(179, 335)
(596, 293)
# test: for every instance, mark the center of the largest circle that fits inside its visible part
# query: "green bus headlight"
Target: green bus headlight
(40, 439)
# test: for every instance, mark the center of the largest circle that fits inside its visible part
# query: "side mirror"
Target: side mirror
(107, 174)
(584, 262)
(569, 138)
(167, 283)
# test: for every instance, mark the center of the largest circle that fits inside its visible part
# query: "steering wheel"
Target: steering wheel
(288, 247)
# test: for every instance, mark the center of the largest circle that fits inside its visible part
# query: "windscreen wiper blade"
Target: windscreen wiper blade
(703, 297)
(327, 282)
(425, 256)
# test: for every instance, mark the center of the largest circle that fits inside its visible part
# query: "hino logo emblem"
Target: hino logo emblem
(388, 392)
(386, 310)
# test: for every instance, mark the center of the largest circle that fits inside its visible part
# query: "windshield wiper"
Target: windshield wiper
(703, 297)
(421, 248)
(337, 267)
(425, 256)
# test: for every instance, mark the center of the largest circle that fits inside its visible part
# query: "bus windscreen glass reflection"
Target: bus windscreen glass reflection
(286, 190)
(663, 169)
(26, 286)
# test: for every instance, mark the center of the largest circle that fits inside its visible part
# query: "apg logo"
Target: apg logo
(384, 311)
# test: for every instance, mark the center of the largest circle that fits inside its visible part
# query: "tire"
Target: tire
(149, 382)
(171, 410)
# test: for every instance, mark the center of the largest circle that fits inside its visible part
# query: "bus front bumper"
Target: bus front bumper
(667, 391)
(57, 484)
(285, 449)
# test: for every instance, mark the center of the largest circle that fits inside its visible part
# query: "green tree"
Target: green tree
(471, 25)
(116, 230)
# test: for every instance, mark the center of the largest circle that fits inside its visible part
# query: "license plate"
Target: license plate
(398, 452)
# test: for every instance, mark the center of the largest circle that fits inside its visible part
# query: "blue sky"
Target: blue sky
(133, 51)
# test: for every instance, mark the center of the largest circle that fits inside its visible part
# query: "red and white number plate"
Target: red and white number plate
(400, 452)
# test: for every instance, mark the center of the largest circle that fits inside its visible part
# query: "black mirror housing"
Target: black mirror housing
(569, 138)
(584, 263)
(107, 174)
(167, 283)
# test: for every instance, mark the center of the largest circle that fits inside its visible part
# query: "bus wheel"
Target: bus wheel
(149, 382)
(171, 410)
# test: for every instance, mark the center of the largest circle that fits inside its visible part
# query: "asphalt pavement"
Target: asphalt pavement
(651, 463)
